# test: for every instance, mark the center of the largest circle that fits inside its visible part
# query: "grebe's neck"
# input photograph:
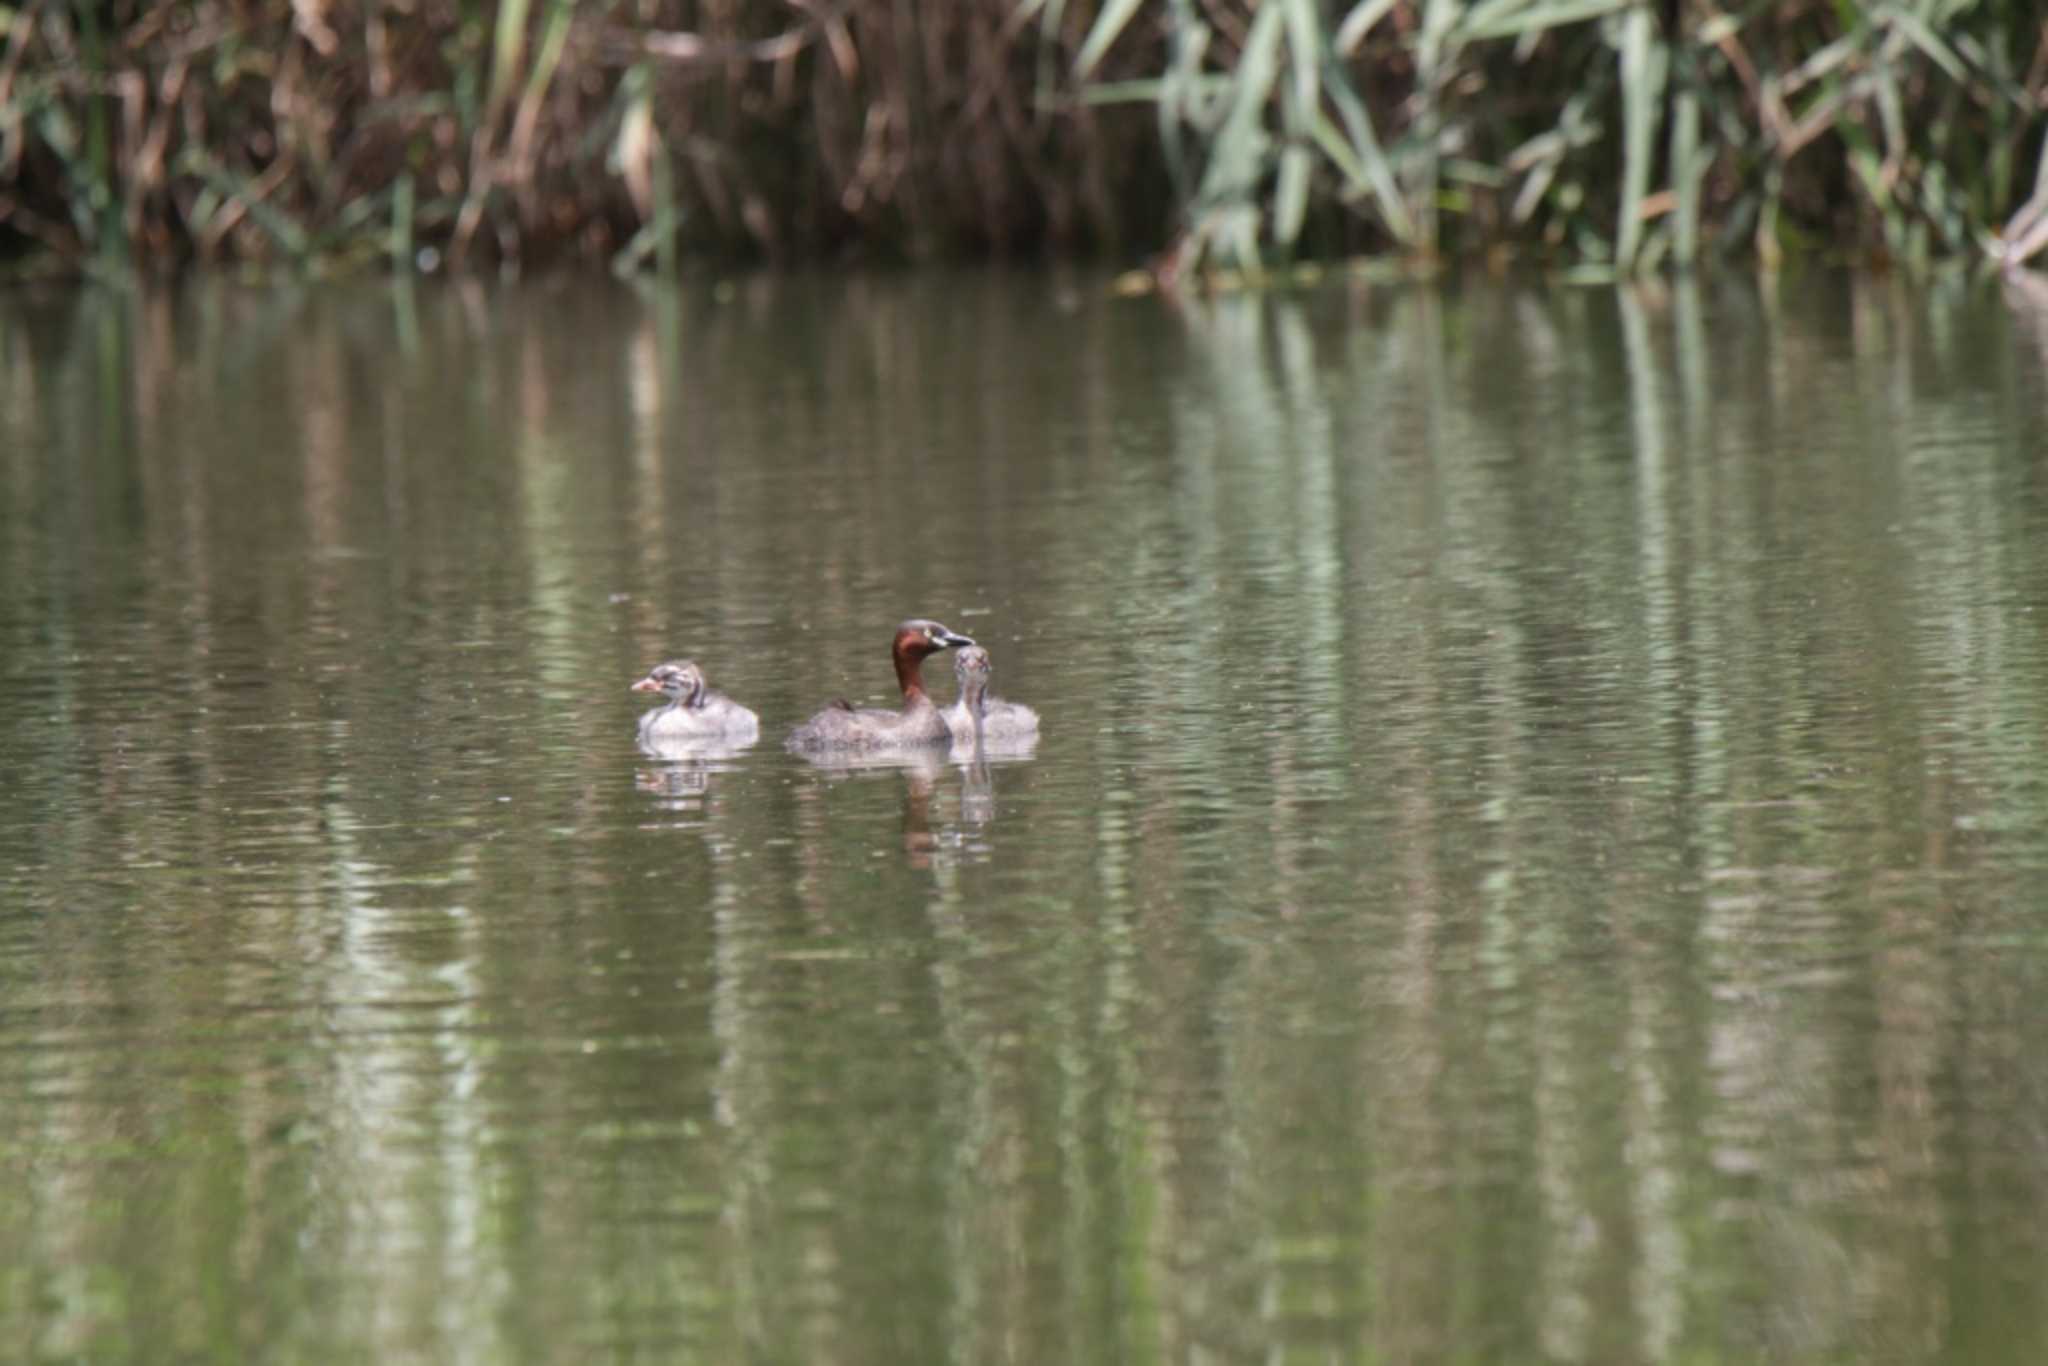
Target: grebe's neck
(974, 694)
(910, 665)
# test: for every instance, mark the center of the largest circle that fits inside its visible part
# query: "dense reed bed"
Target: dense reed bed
(1607, 135)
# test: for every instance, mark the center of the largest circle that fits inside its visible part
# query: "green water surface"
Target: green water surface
(1538, 850)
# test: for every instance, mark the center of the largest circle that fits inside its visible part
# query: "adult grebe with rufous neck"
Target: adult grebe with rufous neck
(917, 724)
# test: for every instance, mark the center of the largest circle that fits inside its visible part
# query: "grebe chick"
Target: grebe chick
(694, 712)
(1000, 721)
(918, 723)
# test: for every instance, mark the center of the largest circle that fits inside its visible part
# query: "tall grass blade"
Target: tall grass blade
(101, 220)
(1688, 172)
(1829, 59)
(2026, 232)
(1299, 112)
(1175, 90)
(251, 197)
(1361, 159)
(1930, 42)
(1290, 194)
(1183, 97)
(1236, 163)
(508, 49)
(667, 216)
(1351, 30)
(401, 242)
(1512, 21)
(1050, 14)
(1108, 24)
(554, 40)
(1304, 59)
(1769, 252)
(1435, 49)
(1642, 91)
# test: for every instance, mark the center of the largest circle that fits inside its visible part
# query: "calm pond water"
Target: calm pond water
(1537, 851)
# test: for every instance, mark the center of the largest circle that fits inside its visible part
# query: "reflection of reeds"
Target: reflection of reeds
(1616, 134)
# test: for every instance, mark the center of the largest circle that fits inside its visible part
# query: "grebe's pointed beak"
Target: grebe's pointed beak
(953, 640)
(646, 684)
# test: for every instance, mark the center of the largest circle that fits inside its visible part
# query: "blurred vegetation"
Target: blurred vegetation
(1605, 134)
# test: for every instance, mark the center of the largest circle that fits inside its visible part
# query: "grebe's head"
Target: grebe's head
(919, 637)
(679, 678)
(971, 662)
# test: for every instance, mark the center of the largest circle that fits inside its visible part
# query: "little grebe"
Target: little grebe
(919, 723)
(694, 711)
(1000, 721)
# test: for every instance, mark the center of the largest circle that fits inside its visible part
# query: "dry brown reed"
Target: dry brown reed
(331, 130)
(1609, 133)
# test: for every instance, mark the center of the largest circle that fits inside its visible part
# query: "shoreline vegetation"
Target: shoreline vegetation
(1603, 137)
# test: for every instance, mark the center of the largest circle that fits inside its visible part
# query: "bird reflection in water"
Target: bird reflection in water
(977, 797)
(681, 774)
(923, 842)
(985, 730)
